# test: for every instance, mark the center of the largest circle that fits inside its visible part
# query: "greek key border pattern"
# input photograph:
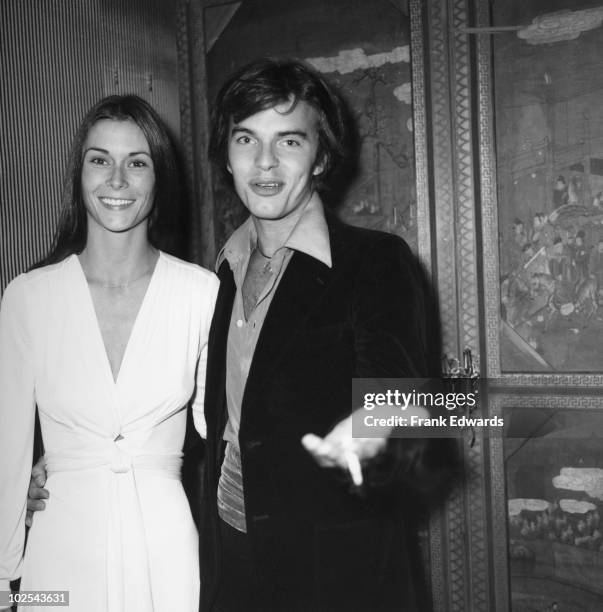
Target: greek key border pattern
(437, 563)
(498, 518)
(521, 399)
(477, 526)
(420, 133)
(456, 552)
(489, 207)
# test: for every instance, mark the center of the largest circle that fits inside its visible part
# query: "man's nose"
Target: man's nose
(266, 158)
(117, 178)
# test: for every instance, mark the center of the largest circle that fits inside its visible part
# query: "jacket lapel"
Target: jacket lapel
(298, 294)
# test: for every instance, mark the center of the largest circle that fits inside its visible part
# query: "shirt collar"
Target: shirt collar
(310, 236)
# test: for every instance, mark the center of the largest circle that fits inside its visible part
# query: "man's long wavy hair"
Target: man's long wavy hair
(269, 82)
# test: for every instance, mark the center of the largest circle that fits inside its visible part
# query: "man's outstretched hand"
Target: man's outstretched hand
(338, 447)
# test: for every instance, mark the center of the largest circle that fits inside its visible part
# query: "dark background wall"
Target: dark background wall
(58, 57)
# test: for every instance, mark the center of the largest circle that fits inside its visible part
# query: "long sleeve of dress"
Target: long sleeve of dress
(17, 411)
(198, 403)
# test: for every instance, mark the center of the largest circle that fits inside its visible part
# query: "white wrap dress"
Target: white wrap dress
(117, 532)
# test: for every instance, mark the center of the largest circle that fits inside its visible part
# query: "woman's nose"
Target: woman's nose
(117, 178)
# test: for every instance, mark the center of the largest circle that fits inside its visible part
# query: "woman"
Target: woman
(108, 337)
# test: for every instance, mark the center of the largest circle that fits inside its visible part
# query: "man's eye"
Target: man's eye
(290, 142)
(243, 140)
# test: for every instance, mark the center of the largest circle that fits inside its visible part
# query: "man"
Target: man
(306, 303)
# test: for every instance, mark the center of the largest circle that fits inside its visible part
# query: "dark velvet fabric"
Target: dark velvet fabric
(318, 544)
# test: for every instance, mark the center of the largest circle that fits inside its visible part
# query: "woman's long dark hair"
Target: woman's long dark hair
(164, 220)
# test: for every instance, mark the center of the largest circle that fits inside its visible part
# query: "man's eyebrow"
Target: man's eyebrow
(301, 133)
(239, 129)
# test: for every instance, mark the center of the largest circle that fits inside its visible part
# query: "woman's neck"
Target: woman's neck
(117, 260)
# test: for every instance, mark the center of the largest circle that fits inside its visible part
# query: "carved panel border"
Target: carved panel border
(466, 267)
(459, 576)
(437, 548)
(461, 534)
(449, 570)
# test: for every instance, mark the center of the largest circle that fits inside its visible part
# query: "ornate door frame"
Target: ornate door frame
(468, 537)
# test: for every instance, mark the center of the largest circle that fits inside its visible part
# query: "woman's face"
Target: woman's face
(118, 178)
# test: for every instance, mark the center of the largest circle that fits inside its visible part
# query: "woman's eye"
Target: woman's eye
(98, 161)
(292, 143)
(243, 140)
(139, 163)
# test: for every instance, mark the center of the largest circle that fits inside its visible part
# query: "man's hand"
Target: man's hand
(339, 449)
(338, 446)
(36, 493)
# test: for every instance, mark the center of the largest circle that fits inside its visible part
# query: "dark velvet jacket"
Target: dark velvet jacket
(321, 545)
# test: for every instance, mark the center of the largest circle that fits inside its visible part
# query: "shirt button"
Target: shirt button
(240, 323)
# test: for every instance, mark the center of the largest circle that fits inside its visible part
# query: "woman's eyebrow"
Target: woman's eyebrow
(101, 150)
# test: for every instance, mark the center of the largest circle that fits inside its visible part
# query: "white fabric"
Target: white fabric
(117, 531)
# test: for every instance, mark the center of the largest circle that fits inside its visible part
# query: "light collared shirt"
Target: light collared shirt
(310, 235)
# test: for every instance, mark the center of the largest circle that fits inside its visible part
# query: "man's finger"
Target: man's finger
(353, 464)
(311, 442)
(320, 449)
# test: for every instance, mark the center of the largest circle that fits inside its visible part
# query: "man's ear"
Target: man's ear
(228, 167)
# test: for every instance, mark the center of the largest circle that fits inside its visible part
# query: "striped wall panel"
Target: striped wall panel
(58, 57)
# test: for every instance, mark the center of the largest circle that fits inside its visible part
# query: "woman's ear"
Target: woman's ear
(319, 167)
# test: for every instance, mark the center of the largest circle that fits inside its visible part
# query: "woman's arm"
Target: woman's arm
(207, 308)
(17, 412)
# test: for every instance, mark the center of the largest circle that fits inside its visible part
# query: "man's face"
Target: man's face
(272, 159)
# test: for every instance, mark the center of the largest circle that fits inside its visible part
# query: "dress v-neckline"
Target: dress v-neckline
(133, 331)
